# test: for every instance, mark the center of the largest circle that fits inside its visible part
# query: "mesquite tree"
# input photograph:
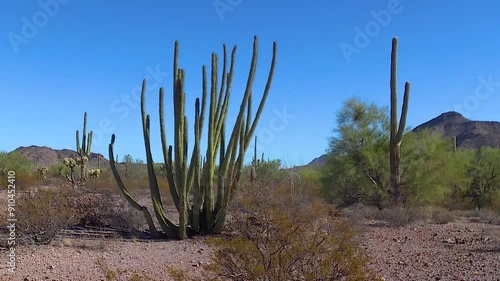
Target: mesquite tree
(201, 190)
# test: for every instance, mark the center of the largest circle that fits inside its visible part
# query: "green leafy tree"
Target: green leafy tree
(358, 163)
(20, 164)
(431, 170)
(14, 161)
(485, 177)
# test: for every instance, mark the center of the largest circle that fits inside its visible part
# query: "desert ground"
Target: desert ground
(468, 248)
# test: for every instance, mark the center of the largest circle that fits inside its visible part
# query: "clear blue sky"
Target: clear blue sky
(88, 55)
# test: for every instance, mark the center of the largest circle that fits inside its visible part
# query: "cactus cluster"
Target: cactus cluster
(96, 173)
(201, 188)
(397, 131)
(81, 161)
(42, 173)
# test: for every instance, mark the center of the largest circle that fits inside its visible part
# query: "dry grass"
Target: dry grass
(442, 216)
(42, 214)
(400, 215)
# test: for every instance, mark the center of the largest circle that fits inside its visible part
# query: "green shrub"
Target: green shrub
(21, 165)
(485, 177)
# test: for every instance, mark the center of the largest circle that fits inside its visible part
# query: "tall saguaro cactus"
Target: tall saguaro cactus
(201, 190)
(397, 131)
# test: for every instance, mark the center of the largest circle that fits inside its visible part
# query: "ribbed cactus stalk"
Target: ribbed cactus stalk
(200, 187)
(454, 144)
(397, 131)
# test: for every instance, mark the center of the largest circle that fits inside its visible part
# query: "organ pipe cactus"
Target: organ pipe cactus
(397, 131)
(201, 190)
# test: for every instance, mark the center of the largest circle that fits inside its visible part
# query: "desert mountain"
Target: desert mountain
(470, 134)
(46, 156)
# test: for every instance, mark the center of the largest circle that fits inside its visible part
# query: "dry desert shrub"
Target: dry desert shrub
(41, 214)
(281, 236)
(442, 216)
(401, 215)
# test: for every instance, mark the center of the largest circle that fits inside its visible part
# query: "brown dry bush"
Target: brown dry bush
(278, 235)
(442, 216)
(401, 215)
(41, 214)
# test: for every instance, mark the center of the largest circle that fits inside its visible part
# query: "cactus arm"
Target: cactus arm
(249, 115)
(204, 98)
(267, 90)
(194, 172)
(223, 83)
(78, 149)
(176, 63)
(180, 135)
(84, 135)
(166, 156)
(126, 194)
(197, 137)
(404, 114)
(211, 151)
(168, 227)
(227, 95)
(89, 144)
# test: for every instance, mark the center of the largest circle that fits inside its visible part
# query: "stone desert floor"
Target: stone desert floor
(461, 250)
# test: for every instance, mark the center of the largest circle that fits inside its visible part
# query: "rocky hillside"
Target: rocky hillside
(46, 156)
(470, 134)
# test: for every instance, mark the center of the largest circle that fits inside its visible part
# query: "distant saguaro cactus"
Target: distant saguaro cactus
(83, 151)
(201, 191)
(255, 163)
(397, 131)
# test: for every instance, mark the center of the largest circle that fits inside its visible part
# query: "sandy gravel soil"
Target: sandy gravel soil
(455, 251)
(461, 250)
(75, 259)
